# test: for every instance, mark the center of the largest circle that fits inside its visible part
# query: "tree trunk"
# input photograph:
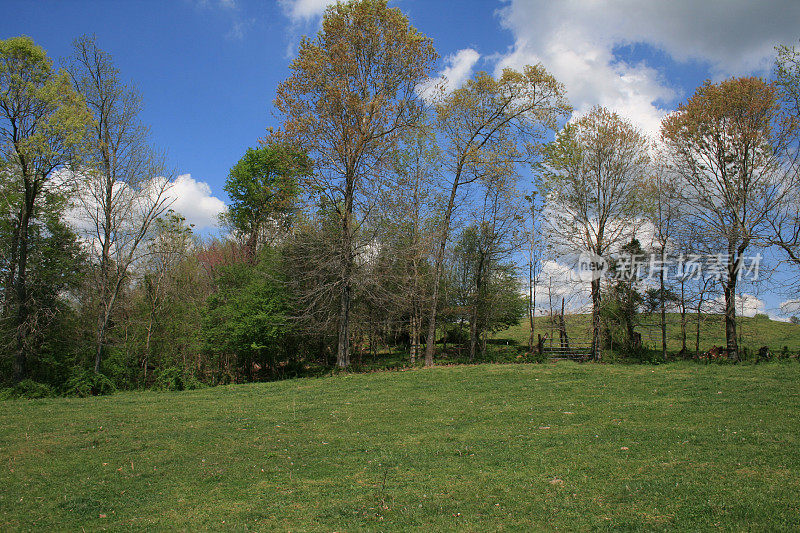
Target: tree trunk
(531, 303)
(343, 352)
(697, 336)
(21, 289)
(430, 345)
(473, 333)
(595, 319)
(730, 320)
(683, 318)
(663, 310)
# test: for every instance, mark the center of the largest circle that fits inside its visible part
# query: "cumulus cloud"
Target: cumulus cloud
(559, 281)
(458, 68)
(746, 305)
(577, 39)
(304, 10)
(304, 17)
(194, 200)
(790, 307)
(191, 198)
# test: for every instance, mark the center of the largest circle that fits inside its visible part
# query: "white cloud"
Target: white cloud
(305, 17)
(458, 68)
(576, 39)
(790, 307)
(746, 305)
(304, 10)
(194, 200)
(191, 198)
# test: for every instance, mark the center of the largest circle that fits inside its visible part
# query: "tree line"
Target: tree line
(385, 216)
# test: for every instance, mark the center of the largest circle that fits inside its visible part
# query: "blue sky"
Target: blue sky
(208, 69)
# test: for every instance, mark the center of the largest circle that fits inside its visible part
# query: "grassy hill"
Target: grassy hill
(520, 447)
(754, 332)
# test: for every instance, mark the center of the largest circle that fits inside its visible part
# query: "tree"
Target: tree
(534, 256)
(729, 145)
(263, 189)
(350, 97)
(489, 287)
(248, 316)
(622, 298)
(124, 188)
(663, 211)
(591, 178)
(488, 127)
(408, 219)
(55, 269)
(42, 122)
(170, 246)
(786, 225)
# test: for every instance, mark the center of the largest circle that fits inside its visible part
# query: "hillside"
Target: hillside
(521, 447)
(754, 332)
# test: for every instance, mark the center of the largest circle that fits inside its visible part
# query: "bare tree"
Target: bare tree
(409, 210)
(663, 210)
(786, 225)
(125, 188)
(534, 256)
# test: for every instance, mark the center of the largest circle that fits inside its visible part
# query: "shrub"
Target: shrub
(170, 378)
(28, 389)
(83, 383)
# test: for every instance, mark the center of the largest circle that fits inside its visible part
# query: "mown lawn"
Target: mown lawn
(476, 448)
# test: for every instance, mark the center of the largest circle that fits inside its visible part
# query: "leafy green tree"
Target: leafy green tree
(486, 129)
(56, 266)
(351, 95)
(624, 297)
(263, 188)
(490, 292)
(248, 317)
(42, 126)
(169, 247)
(730, 147)
(591, 176)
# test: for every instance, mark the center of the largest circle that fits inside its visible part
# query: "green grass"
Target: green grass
(753, 332)
(476, 448)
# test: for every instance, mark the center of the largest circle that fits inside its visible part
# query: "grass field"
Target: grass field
(516, 447)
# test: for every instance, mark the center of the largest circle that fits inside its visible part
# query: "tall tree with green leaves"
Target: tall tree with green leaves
(786, 225)
(264, 187)
(591, 177)
(730, 145)
(351, 95)
(42, 125)
(487, 128)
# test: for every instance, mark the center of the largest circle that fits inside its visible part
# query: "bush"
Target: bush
(191, 382)
(28, 389)
(83, 383)
(170, 378)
